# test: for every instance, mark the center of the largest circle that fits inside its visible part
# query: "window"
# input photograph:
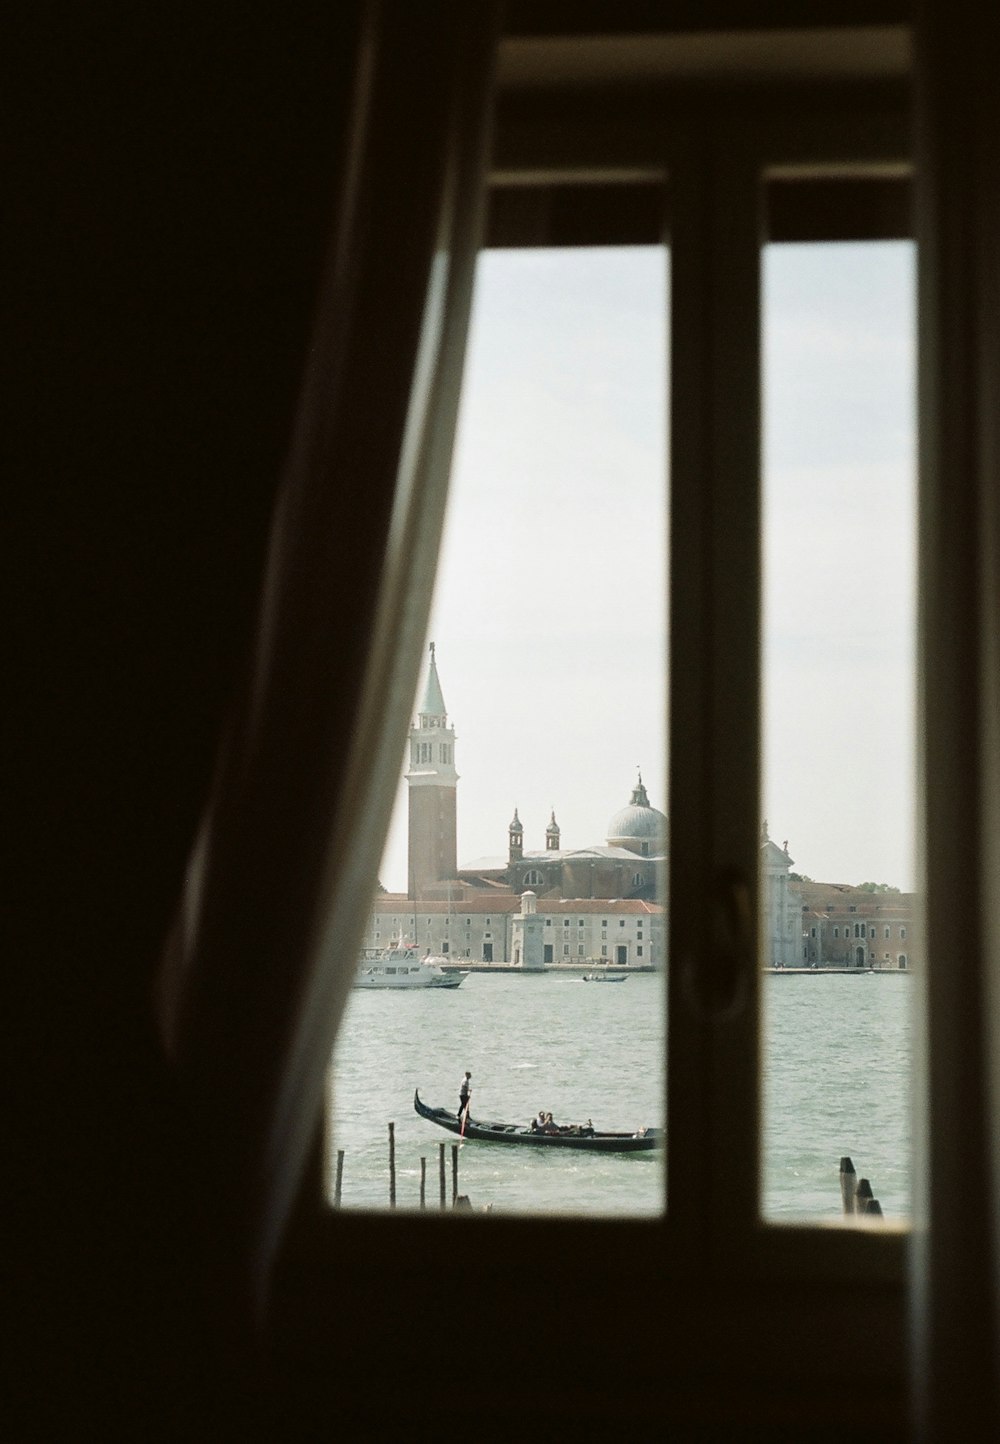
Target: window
(713, 519)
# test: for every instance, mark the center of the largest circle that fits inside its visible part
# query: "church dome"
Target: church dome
(638, 827)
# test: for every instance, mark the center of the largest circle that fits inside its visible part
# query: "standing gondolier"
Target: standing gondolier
(464, 1094)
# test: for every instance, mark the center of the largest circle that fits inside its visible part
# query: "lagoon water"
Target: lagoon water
(836, 1081)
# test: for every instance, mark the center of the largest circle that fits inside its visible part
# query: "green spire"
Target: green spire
(433, 705)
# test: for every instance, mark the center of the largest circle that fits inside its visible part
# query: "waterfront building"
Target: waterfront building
(845, 926)
(582, 932)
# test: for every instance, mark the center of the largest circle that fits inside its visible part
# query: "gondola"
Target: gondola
(569, 1136)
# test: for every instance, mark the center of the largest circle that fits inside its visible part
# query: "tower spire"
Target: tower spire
(433, 703)
(432, 782)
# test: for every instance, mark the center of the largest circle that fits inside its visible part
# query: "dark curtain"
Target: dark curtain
(238, 256)
(285, 864)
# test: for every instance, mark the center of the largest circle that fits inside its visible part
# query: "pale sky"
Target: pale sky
(548, 613)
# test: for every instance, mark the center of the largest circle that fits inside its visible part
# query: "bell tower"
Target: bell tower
(432, 783)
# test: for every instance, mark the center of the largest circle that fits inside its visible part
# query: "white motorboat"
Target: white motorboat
(401, 966)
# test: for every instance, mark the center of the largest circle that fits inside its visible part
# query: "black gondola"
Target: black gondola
(569, 1136)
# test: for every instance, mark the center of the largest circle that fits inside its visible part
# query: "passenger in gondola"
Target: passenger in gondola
(549, 1126)
(538, 1124)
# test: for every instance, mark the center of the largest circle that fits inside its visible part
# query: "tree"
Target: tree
(877, 887)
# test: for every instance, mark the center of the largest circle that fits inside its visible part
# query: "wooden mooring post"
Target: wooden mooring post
(848, 1183)
(423, 1182)
(856, 1193)
(454, 1173)
(340, 1178)
(862, 1195)
(392, 1165)
(441, 1171)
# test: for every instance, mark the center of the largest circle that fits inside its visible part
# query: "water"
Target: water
(836, 1082)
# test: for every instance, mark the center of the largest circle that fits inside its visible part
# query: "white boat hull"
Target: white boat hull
(403, 969)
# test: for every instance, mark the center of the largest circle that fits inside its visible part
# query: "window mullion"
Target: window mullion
(733, 578)
(714, 725)
(688, 1096)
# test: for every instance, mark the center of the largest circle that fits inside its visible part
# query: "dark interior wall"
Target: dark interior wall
(171, 182)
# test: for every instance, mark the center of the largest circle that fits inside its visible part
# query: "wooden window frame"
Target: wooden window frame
(711, 1258)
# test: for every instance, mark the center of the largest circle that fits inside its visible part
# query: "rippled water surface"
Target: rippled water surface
(837, 1080)
(837, 1061)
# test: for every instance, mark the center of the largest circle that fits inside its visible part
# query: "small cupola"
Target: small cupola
(515, 836)
(552, 834)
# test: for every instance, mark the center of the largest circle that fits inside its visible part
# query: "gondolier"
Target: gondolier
(464, 1094)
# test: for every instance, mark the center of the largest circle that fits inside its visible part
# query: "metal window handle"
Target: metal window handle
(717, 982)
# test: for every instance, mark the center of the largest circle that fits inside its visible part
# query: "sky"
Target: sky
(549, 608)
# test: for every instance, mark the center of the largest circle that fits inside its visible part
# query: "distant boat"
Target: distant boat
(604, 978)
(569, 1136)
(401, 966)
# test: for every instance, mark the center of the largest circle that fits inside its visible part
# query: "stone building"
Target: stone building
(845, 926)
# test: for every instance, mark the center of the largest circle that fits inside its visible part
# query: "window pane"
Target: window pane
(535, 818)
(837, 850)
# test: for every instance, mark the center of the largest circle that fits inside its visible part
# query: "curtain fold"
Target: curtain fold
(280, 881)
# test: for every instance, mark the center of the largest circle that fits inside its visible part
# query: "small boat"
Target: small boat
(569, 1136)
(401, 966)
(604, 978)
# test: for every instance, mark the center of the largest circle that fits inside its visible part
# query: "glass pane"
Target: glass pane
(839, 911)
(524, 865)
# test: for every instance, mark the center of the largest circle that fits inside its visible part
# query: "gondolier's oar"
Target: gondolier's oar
(465, 1114)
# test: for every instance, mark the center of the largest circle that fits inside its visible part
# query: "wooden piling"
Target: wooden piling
(454, 1173)
(340, 1178)
(441, 1172)
(873, 1209)
(862, 1194)
(392, 1165)
(423, 1183)
(848, 1184)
